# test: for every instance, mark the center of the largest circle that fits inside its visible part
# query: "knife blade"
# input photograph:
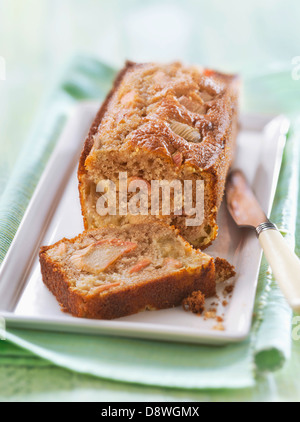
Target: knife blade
(241, 201)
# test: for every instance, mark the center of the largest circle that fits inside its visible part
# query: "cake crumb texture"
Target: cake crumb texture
(224, 270)
(194, 302)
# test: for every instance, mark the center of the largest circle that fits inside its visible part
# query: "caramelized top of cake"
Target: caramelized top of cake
(169, 109)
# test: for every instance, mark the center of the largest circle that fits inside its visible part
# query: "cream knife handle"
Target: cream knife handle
(284, 263)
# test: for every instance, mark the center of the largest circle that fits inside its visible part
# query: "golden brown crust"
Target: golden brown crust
(89, 141)
(214, 125)
(99, 116)
(211, 157)
(195, 302)
(159, 293)
(224, 270)
(156, 291)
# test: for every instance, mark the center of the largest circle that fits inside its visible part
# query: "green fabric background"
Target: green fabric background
(267, 88)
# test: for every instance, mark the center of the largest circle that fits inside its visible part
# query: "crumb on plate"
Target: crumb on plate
(194, 302)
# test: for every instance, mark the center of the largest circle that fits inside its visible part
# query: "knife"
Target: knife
(247, 212)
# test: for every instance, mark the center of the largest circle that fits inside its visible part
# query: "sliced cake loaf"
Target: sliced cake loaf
(163, 123)
(113, 271)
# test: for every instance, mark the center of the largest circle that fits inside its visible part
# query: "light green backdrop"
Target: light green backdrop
(38, 38)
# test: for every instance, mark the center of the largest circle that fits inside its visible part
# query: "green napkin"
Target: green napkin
(142, 361)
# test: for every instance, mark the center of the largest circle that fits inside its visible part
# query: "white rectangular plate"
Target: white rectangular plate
(54, 212)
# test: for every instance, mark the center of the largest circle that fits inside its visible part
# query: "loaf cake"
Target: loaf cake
(115, 271)
(162, 122)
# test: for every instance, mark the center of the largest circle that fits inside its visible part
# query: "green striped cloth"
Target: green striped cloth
(142, 361)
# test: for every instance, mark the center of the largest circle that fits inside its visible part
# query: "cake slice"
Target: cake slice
(162, 122)
(113, 271)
